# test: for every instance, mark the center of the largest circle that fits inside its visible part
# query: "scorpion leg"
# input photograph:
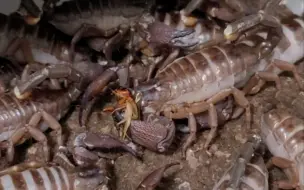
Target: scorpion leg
(171, 57)
(36, 133)
(192, 136)
(257, 81)
(213, 123)
(283, 164)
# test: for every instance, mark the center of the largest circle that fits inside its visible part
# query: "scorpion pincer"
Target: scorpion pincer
(194, 83)
(90, 19)
(283, 135)
(248, 171)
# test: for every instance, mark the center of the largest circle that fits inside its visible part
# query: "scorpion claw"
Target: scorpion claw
(156, 134)
(100, 141)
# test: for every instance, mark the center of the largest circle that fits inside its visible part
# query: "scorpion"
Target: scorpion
(248, 171)
(194, 83)
(90, 19)
(19, 118)
(283, 135)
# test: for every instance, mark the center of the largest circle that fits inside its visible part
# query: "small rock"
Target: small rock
(184, 186)
(221, 154)
(192, 160)
(32, 150)
(240, 138)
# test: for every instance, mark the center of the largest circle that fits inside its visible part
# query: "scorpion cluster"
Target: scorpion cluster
(199, 61)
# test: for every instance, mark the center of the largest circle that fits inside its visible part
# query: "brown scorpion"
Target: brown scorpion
(283, 135)
(99, 19)
(194, 83)
(248, 171)
(19, 117)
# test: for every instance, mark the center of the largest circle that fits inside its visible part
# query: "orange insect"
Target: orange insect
(126, 102)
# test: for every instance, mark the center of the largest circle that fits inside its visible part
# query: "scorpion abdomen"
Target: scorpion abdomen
(200, 75)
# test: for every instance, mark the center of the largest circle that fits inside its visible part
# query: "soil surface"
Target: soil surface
(199, 171)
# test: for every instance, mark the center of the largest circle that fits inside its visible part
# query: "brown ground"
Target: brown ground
(199, 171)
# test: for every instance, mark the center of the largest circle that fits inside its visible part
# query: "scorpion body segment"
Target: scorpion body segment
(283, 135)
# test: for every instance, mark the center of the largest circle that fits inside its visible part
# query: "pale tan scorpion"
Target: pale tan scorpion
(194, 83)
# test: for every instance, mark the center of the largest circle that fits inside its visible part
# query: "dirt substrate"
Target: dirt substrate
(199, 171)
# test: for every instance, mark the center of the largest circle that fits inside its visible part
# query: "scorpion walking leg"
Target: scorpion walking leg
(264, 76)
(192, 136)
(213, 122)
(36, 133)
(283, 164)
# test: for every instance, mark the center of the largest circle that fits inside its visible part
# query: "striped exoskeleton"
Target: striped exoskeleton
(34, 175)
(284, 133)
(194, 83)
(18, 118)
(248, 171)
(107, 22)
